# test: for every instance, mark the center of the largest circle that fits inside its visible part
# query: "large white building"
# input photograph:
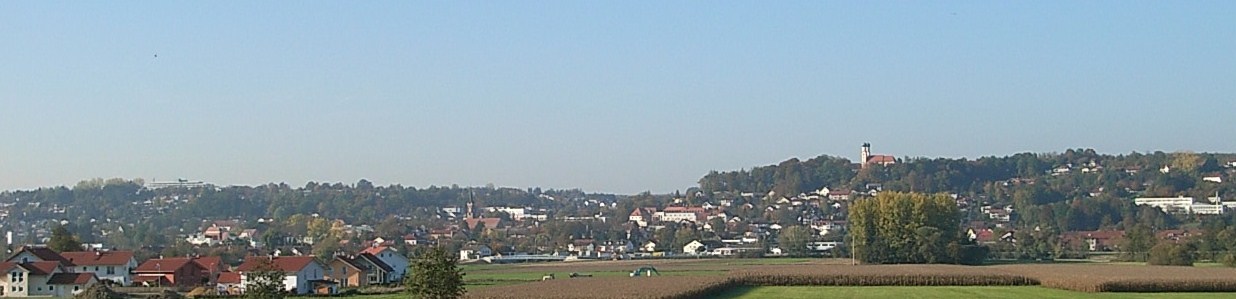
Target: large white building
(1180, 204)
(1207, 209)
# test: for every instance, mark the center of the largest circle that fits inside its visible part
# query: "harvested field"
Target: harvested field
(695, 279)
(1130, 278)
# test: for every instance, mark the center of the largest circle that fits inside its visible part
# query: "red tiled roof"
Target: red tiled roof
(646, 212)
(283, 263)
(43, 253)
(378, 249)
(209, 262)
(165, 265)
(489, 222)
(881, 159)
(71, 278)
(41, 268)
(98, 258)
(229, 277)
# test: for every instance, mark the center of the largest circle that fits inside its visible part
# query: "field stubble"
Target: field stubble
(1073, 277)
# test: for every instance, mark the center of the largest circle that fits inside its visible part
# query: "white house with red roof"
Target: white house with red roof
(106, 265)
(397, 261)
(229, 284)
(41, 279)
(110, 265)
(301, 274)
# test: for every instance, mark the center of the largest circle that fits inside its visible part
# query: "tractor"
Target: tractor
(645, 271)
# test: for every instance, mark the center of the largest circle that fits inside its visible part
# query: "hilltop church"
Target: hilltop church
(867, 158)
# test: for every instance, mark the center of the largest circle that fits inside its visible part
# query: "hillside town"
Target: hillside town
(328, 237)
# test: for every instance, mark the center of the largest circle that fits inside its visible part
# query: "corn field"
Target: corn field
(1083, 278)
(879, 275)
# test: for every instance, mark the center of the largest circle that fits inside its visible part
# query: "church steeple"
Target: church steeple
(471, 206)
(866, 154)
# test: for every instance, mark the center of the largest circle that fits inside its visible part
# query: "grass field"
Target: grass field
(944, 293)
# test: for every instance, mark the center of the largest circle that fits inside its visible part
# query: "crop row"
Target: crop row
(891, 275)
(1084, 278)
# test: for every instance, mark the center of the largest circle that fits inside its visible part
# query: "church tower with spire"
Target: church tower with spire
(866, 154)
(471, 206)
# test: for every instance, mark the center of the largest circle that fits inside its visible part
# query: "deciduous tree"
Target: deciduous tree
(434, 274)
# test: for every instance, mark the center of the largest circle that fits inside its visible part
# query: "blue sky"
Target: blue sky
(606, 96)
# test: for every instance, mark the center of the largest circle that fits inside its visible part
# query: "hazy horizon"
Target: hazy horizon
(604, 97)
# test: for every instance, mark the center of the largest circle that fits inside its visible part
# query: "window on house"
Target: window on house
(76, 288)
(51, 288)
(111, 270)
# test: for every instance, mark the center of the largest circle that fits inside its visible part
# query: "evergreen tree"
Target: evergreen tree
(435, 275)
(62, 240)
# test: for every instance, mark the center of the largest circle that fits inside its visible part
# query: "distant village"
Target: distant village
(698, 224)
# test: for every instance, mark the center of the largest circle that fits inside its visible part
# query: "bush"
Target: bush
(1170, 254)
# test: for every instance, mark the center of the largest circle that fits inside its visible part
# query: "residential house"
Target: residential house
(69, 284)
(115, 266)
(165, 272)
(840, 195)
(302, 274)
(643, 216)
(701, 247)
(29, 254)
(695, 247)
(348, 271)
(582, 247)
(379, 272)
(680, 214)
(212, 267)
(413, 240)
(229, 284)
(1100, 240)
(475, 251)
(397, 261)
(649, 246)
(41, 279)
